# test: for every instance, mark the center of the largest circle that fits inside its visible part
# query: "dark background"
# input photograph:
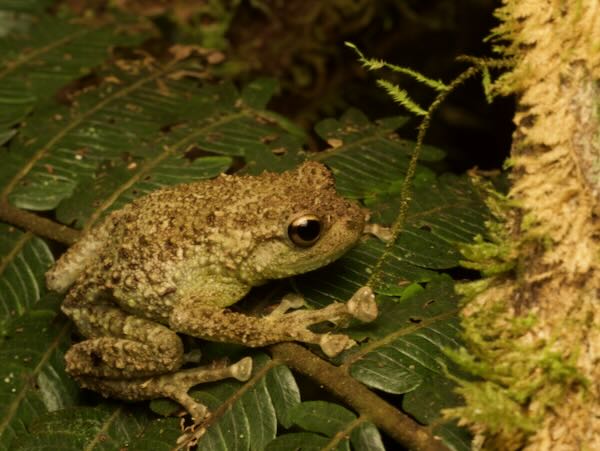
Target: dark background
(301, 44)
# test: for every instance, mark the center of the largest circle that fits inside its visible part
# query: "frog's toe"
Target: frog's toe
(333, 344)
(198, 411)
(362, 305)
(242, 370)
(176, 385)
(290, 301)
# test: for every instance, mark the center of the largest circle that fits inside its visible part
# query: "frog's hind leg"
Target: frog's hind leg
(119, 345)
(135, 359)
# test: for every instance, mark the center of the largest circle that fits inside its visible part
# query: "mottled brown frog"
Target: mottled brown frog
(172, 261)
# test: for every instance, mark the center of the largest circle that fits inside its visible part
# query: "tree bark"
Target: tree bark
(541, 362)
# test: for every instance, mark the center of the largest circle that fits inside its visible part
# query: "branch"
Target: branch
(36, 224)
(397, 425)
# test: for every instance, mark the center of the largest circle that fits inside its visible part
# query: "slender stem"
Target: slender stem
(406, 191)
(397, 425)
(36, 224)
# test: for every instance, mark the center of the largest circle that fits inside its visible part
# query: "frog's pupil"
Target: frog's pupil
(308, 229)
(305, 230)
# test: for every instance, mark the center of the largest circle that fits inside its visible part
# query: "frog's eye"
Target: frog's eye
(305, 230)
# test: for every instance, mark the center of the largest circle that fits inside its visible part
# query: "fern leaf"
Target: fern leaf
(34, 381)
(370, 158)
(53, 156)
(405, 354)
(105, 426)
(137, 131)
(401, 96)
(329, 426)
(375, 64)
(24, 260)
(251, 409)
(47, 56)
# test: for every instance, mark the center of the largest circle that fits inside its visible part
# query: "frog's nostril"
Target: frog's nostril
(354, 225)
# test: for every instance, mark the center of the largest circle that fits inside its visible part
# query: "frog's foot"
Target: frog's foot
(383, 233)
(361, 306)
(172, 385)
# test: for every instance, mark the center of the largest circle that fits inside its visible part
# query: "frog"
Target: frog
(174, 261)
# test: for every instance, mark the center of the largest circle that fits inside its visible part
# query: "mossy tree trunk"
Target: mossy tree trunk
(533, 332)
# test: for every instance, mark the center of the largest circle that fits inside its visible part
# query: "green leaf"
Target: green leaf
(161, 434)
(250, 420)
(366, 436)
(244, 415)
(143, 132)
(301, 441)
(284, 393)
(339, 428)
(455, 437)
(23, 261)
(49, 54)
(323, 417)
(257, 94)
(103, 427)
(441, 215)
(148, 125)
(368, 159)
(405, 351)
(32, 373)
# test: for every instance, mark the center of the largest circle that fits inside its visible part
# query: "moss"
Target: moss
(471, 289)
(496, 253)
(514, 383)
(517, 377)
(514, 377)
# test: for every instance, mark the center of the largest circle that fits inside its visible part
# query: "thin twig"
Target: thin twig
(36, 224)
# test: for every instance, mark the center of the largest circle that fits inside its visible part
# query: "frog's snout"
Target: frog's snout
(355, 225)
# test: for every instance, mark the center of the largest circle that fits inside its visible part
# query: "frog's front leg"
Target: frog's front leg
(134, 358)
(217, 324)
